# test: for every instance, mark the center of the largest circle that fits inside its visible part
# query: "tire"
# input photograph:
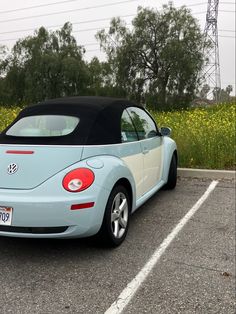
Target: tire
(116, 218)
(172, 176)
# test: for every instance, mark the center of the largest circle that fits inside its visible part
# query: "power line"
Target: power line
(98, 28)
(68, 11)
(37, 6)
(72, 10)
(78, 31)
(227, 11)
(67, 1)
(74, 23)
(82, 9)
(194, 4)
(225, 36)
(83, 22)
(227, 30)
(94, 29)
(202, 12)
(95, 20)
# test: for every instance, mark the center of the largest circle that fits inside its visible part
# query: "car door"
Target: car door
(151, 145)
(132, 152)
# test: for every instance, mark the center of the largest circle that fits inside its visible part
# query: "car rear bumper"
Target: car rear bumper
(47, 215)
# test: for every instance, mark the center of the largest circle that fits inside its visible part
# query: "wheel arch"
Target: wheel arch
(126, 184)
(115, 172)
(170, 149)
(176, 156)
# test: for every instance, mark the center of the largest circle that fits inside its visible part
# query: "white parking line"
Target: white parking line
(126, 295)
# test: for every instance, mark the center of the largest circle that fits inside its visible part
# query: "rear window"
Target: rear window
(43, 126)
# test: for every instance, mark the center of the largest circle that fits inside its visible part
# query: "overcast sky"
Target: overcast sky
(85, 26)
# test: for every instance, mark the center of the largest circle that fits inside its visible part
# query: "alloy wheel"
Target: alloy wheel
(119, 215)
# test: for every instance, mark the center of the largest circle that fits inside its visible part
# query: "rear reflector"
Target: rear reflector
(82, 206)
(20, 152)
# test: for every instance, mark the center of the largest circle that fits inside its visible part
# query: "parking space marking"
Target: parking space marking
(127, 294)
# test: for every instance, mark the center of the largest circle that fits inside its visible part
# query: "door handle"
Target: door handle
(145, 151)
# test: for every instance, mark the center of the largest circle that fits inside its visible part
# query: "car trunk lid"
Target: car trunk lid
(25, 167)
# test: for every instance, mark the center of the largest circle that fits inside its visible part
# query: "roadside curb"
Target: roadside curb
(205, 173)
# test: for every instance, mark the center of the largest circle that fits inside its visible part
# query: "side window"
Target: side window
(144, 124)
(128, 133)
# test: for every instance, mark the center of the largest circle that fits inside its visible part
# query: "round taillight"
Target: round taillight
(78, 180)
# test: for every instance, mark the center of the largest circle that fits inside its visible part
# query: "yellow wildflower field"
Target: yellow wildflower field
(7, 115)
(205, 136)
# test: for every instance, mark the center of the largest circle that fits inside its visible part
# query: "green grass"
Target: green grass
(205, 136)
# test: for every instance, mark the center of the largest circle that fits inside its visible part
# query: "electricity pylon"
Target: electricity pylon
(211, 73)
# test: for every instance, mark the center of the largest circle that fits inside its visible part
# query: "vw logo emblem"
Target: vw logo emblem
(12, 168)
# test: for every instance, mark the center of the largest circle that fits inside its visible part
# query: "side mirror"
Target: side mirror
(165, 131)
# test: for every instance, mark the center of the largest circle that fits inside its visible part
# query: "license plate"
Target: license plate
(5, 216)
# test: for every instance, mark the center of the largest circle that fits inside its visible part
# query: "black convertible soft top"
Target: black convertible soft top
(100, 121)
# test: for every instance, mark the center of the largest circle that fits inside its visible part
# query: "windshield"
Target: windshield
(43, 126)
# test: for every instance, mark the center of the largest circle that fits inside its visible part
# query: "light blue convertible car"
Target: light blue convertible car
(79, 166)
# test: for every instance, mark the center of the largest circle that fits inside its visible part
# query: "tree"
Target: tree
(229, 89)
(100, 80)
(222, 95)
(3, 71)
(45, 65)
(160, 58)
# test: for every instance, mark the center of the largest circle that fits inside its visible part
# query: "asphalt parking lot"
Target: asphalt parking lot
(196, 273)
